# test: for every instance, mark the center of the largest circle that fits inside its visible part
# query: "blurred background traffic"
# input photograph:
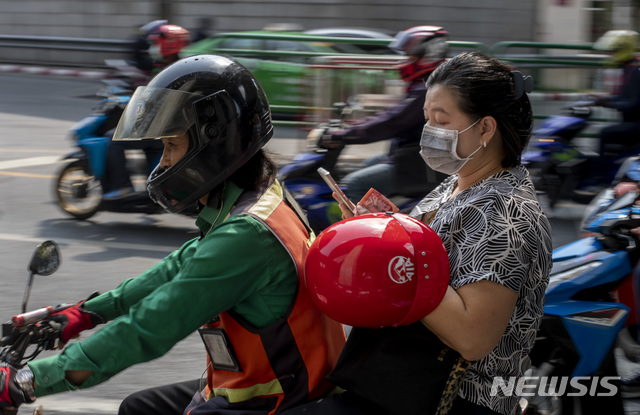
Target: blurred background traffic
(293, 49)
(309, 56)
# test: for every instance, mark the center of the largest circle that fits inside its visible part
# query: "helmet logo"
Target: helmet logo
(401, 269)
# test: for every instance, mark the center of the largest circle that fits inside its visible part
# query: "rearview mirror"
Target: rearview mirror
(46, 259)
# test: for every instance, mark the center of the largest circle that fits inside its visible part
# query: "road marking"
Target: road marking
(25, 150)
(112, 245)
(71, 405)
(30, 161)
(31, 175)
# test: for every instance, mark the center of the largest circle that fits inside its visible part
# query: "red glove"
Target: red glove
(74, 320)
(11, 394)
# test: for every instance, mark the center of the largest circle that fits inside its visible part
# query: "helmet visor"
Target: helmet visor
(154, 113)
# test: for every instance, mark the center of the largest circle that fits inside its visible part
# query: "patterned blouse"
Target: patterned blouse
(496, 231)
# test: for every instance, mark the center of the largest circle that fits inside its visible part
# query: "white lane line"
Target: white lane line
(30, 161)
(112, 245)
(70, 405)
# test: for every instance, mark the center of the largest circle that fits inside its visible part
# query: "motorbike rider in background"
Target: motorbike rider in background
(498, 239)
(166, 44)
(239, 283)
(618, 138)
(167, 41)
(426, 47)
(140, 45)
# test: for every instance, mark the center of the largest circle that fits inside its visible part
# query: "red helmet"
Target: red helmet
(171, 39)
(428, 47)
(377, 270)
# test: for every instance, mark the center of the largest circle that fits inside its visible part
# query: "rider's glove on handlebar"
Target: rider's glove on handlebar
(11, 394)
(75, 319)
(330, 141)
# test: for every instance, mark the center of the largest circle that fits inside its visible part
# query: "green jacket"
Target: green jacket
(237, 264)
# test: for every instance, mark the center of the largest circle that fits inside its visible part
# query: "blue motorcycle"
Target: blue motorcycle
(590, 309)
(78, 187)
(607, 200)
(559, 168)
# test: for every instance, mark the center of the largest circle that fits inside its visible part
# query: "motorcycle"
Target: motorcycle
(125, 75)
(78, 188)
(591, 308)
(25, 336)
(559, 168)
(607, 199)
(301, 177)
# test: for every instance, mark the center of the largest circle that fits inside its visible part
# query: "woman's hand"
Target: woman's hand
(346, 212)
(623, 188)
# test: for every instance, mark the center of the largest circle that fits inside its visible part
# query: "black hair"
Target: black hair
(484, 86)
(258, 169)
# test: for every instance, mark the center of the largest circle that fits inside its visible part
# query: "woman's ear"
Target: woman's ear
(489, 127)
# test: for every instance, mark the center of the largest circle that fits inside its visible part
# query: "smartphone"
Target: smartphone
(326, 176)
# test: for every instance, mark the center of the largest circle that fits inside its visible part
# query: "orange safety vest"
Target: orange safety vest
(287, 361)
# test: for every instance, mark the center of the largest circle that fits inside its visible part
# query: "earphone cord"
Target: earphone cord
(219, 211)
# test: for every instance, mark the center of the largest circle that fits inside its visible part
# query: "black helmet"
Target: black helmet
(221, 106)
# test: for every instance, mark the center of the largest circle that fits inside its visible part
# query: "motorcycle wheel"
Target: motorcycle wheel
(78, 192)
(548, 404)
(544, 405)
(628, 344)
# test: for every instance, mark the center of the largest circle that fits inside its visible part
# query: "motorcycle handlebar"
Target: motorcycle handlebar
(35, 316)
(31, 316)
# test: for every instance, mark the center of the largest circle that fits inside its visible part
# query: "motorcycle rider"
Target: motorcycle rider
(629, 386)
(498, 239)
(167, 41)
(238, 283)
(166, 45)
(140, 45)
(425, 47)
(622, 137)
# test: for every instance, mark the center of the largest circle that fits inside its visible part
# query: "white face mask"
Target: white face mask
(154, 52)
(438, 149)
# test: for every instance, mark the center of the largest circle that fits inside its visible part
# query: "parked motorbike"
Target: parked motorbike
(559, 168)
(591, 308)
(301, 177)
